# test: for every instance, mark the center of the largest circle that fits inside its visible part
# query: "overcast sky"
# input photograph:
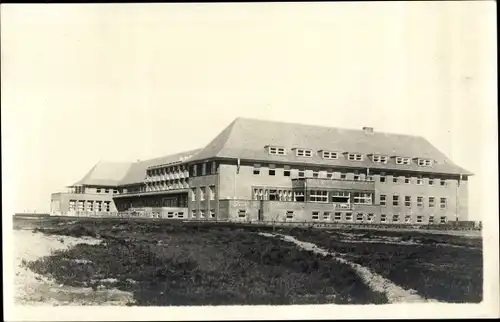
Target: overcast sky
(83, 83)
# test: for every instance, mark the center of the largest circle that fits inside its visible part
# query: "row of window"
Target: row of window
(202, 213)
(204, 194)
(106, 190)
(166, 185)
(408, 201)
(376, 158)
(89, 205)
(343, 176)
(367, 217)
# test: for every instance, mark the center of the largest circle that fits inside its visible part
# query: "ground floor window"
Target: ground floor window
(408, 219)
(348, 216)
(326, 215)
(338, 216)
(431, 220)
(193, 213)
(395, 218)
(170, 215)
(315, 215)
(383, 218)
(371, 217)
(359, 217)
(180, 214)
(443, 220)
(242, 213)
(212, 213)
(420, 219)
(289, 214)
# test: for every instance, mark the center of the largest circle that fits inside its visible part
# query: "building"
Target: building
(264, 171)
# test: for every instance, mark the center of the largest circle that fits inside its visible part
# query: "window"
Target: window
(420, 201)
(395, 218)
(431, 202)
(329, 175)
(443, 203)
(299, 196)
(369, 178)
(395, 179)
(272, 170)
(193, 194)
(180, 214)
(98, 190)
(106, 190)
(362, 198)
(443, 219)
(211, 191)
(356, 177)
(408, 201)
(383, 218)
(202, 213)
(276, 150)
(107, 206)
(424, 162)
(315, 215)
(443, 182)
(99, 206)
(359, 217)
(303, 153)
(90, 205)
(407, 179)
(343, 176)
(420, 219)
(242, 213)
(431, 181)
(193, 213)
(315, 174)
(338, 216)
(383, 200)
(431, 220)
(256, 169)
(371, 217)
(301, 173)
(286, 171)
(348, 216)
(408, 219)
(195, 170)
(273, 194)
(340, 196)
(115, 190)
(318, 196)
(170, 215)
(382, 178)
(379, 158)
(289, 214)
(212, 213)
(355, 157)
(258, 194)
(330, 155)
(202, 193)
(395, 200)
(326, 215)
(419, 180)
(403, 160)
(203, 169)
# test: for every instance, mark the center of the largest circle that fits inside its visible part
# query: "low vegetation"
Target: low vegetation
(170, 263)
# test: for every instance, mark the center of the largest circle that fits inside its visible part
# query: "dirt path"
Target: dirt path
(34, 289)
(376, 282)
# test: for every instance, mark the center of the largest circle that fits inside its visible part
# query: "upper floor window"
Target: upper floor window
(379, 158)
(424, 162)
(355, 157)
(303, 153)
(403, 160)
(330, 155)
(276, 150)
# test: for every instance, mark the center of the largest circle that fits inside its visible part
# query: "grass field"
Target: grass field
(167, 263)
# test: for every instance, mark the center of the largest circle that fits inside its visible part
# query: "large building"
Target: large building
(273, 171)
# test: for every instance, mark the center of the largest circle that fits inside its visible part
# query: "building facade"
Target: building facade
(272, 171)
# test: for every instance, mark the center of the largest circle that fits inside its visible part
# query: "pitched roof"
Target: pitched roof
(137, 170)
(105, 174)
(246, 139)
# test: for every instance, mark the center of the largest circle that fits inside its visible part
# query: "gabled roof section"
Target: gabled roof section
(137, 170)
(247, 138)
(105, 174)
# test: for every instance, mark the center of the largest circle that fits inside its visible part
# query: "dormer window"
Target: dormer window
(303, 153)
(403, 160)
(276, 150)
(379, 158)
(424, 162)
(330, 155)
(355, 157)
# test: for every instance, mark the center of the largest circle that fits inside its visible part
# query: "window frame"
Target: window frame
(403, 161)
(330, 155)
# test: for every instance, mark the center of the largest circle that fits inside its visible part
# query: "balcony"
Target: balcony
(322, 183)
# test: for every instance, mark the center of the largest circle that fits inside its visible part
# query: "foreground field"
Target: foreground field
(164, 263)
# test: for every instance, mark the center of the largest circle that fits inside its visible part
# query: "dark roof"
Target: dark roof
(247, 138)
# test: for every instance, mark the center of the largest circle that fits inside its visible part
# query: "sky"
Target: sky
(121, 82)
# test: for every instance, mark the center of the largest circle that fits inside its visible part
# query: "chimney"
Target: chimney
(367, 129)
